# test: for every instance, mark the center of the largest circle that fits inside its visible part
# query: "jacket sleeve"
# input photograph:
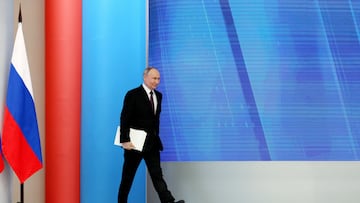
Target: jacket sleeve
(125, 118)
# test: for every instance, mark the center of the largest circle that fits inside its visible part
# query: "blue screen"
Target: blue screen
(257, 80)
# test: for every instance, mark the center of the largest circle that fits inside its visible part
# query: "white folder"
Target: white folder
(137, 138)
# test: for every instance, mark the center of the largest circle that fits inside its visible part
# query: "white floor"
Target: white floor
(261, 182)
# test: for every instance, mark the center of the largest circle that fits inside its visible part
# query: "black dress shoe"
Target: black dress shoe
(180, 201)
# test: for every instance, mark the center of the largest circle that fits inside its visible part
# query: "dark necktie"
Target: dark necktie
(152, 102)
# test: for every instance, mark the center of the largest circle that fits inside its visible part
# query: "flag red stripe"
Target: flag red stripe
(1, 162)
(1, 158)
(17, 150)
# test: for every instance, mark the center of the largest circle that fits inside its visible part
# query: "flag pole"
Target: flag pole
(21, 193)
(20, 17)
(21, 184)
(12, 136)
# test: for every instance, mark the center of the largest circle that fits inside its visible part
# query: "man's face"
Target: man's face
(152, 79)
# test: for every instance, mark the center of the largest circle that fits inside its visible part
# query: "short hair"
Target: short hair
(148, 69)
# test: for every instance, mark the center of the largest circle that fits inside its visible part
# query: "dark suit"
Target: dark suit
(137, 113)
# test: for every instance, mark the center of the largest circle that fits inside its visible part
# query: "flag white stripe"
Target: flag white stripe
(19, 59)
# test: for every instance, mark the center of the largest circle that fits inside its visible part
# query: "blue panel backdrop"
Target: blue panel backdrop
(258, 80)
(114, 49)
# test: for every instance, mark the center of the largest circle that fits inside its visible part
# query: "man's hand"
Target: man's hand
(128, 145)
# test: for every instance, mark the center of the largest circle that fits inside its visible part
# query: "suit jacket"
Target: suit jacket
(138, 114)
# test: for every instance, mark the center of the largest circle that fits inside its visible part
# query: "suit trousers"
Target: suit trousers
(132, 161)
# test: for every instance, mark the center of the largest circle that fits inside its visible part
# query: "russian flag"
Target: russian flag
(20, 138)
(1, 159)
